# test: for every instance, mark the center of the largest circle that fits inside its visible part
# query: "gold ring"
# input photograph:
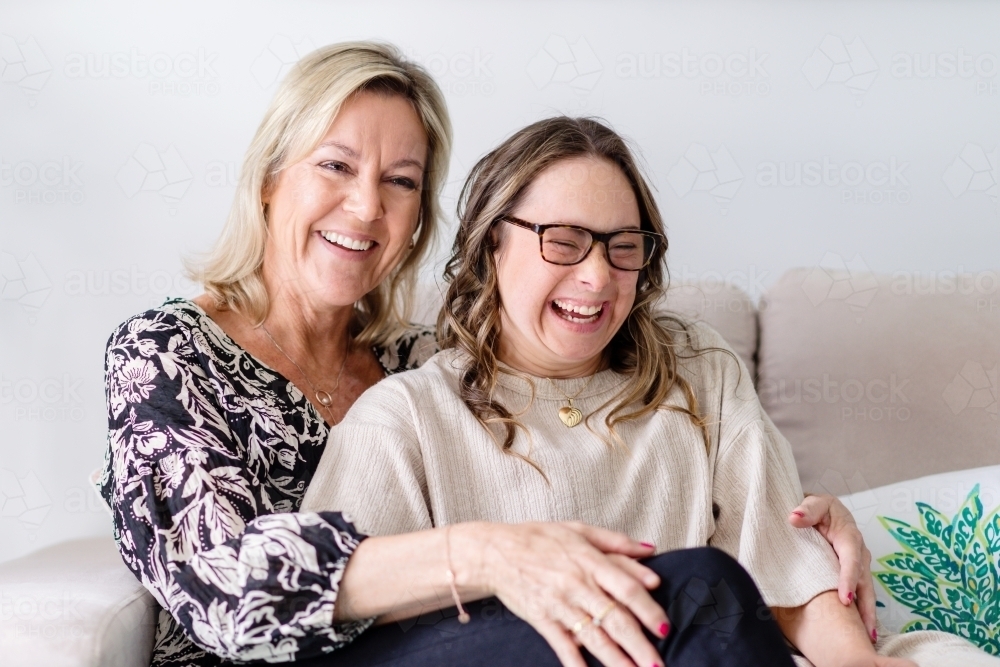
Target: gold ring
(578, 626)
(596, 621)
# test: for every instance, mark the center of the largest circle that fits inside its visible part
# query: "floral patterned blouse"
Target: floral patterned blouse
(209, 454)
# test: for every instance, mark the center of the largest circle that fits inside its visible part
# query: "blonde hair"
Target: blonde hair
(299, 117)
(644, 348)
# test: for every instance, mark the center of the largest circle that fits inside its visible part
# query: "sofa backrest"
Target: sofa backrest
(876, 379)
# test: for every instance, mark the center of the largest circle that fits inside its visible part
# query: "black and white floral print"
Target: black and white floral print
(209, 454)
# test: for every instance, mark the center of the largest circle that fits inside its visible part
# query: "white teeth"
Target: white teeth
(346, 241)
(586, 311)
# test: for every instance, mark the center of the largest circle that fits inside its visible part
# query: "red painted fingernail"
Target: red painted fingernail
(664, 629)
(798, 513)
(874, 635)
(850, 596)
(648, 545)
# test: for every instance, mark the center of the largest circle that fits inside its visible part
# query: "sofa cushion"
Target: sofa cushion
(935, 544)
(75, 605)
(726, 308)
(876, 379)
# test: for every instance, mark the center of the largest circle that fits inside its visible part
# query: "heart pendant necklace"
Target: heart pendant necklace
(571, 415)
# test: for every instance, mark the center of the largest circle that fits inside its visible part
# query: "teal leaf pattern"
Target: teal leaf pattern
(948, 572)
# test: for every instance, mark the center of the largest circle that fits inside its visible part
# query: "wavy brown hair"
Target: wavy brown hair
(644, 348)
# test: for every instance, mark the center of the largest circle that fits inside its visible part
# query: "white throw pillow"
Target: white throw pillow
(935, 544)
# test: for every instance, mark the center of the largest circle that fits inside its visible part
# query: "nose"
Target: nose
(594, 271)
(364, 200)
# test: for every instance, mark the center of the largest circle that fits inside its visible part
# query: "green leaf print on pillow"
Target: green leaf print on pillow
(948, 573)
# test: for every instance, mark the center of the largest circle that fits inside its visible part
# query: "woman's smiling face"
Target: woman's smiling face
(556, 320)
(341, 219)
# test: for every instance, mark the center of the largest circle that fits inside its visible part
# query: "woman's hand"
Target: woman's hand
(835, 522)
(560, 576)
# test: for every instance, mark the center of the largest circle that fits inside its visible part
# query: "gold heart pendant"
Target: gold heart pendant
(570, 416)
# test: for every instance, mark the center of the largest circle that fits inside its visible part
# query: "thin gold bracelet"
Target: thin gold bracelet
(463, 616)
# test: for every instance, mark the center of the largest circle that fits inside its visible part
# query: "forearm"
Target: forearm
(828, 633)
(401, 576)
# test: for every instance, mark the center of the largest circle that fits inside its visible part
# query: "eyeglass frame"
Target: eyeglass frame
(596, 237)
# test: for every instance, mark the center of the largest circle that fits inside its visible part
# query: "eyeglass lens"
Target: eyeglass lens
(565, 245)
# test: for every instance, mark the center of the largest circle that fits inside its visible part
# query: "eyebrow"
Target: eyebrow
(351, 153)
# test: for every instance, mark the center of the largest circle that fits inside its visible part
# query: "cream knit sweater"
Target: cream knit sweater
(409, 455)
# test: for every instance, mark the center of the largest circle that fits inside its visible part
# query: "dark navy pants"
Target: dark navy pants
(716, 614)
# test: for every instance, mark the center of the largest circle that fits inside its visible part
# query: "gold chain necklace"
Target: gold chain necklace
(322, 397)
(569, 414)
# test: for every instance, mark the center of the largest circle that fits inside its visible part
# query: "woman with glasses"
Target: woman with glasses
(219, 406)
(560, 396)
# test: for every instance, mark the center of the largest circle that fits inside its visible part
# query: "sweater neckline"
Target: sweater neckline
(602, 383)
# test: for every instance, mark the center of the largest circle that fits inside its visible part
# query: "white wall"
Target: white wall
(88, 236)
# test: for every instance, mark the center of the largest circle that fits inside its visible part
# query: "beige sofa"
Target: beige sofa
(874, 379)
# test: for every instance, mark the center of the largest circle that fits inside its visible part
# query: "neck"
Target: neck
(522, 360)
(306, 329)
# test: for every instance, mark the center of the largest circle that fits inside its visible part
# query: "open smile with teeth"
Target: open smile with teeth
(576, 313)
(346, 242)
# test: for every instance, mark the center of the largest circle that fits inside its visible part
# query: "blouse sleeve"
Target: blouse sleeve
(191, 522)
(755, 488)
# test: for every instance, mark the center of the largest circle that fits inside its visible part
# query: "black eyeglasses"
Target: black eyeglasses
(627, 249)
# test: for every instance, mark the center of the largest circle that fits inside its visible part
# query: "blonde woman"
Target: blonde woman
(560, 396)
(219, 407)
